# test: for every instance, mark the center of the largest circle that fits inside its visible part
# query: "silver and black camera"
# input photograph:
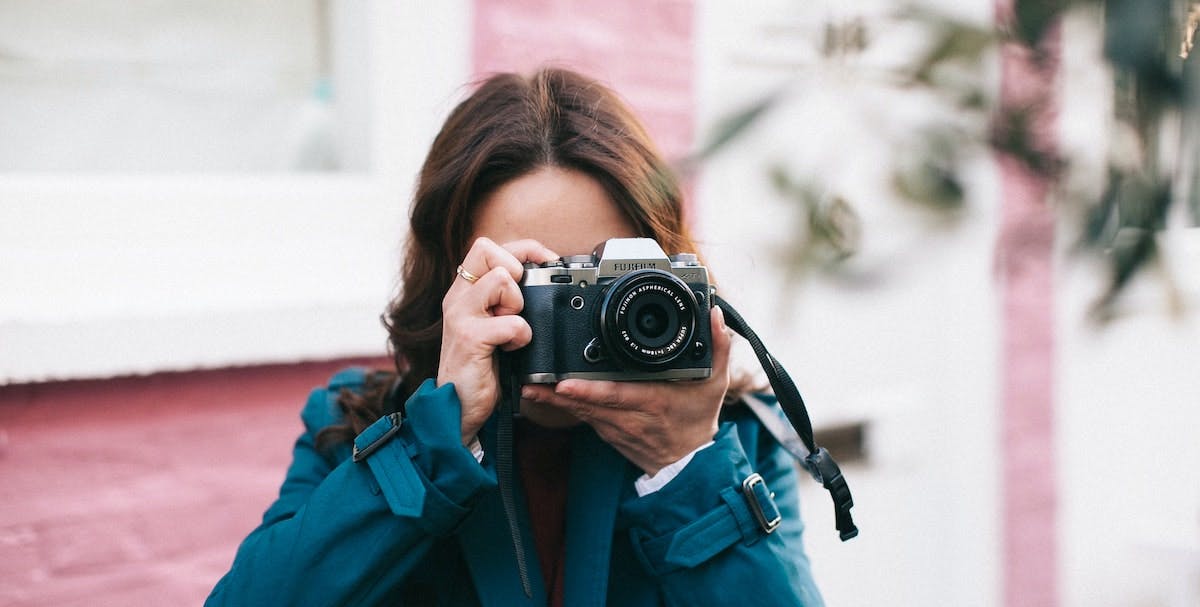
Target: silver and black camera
(625, 312)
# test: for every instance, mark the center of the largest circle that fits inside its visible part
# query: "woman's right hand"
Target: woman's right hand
(480, 316)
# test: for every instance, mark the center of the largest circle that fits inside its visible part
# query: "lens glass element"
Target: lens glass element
(647, 318)
(652, 319)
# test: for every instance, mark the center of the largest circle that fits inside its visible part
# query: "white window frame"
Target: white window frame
(104, 275)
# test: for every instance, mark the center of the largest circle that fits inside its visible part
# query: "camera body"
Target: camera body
(626, 312)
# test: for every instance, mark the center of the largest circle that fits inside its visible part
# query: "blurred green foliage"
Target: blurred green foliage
(1155, 98)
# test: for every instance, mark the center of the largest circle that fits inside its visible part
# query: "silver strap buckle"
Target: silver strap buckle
(376, 436)
(760, 500)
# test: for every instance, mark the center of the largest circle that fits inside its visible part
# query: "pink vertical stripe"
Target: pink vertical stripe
(1025, 253)
(642, 48)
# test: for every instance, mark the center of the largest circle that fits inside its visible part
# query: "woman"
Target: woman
(628, 493)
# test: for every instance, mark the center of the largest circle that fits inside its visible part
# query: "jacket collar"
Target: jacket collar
(597, 479)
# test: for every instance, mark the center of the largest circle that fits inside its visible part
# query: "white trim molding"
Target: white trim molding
(112, 274)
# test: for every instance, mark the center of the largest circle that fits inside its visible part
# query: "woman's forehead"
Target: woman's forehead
(564, 209)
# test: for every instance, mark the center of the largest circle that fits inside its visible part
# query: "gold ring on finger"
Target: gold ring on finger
(465, 275)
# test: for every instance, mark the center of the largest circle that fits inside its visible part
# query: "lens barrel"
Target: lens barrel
(647, 318)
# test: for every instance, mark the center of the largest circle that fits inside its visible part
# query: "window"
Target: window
(173, 250)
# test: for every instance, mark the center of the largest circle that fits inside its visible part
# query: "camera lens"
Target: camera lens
(647, 318)
(652, 320)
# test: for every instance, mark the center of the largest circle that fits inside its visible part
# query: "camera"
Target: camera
(626, 312)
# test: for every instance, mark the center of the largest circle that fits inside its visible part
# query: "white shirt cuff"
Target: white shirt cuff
(646, 484)
(476, 449)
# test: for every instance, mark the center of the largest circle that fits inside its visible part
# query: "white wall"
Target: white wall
(1128, 393)
(907, 345)
(1128, 421)
(128, 271)
(912, 348)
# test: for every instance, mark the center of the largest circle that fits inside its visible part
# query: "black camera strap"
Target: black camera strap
(510, 398)
(817, 461)
(797, 440)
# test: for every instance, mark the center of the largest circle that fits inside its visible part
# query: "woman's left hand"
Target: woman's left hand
(652, 424)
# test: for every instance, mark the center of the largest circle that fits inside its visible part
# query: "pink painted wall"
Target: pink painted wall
(136, 491)
(642, 48)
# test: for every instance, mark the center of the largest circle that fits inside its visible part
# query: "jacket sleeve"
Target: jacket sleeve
(700, 537)
(346, 532)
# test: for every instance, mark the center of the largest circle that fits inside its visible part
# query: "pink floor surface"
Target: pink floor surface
(136, 491)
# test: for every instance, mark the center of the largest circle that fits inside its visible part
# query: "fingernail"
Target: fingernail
(563, 388)
(528, 393)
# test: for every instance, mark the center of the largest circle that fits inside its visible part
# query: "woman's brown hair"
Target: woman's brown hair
(508, 127)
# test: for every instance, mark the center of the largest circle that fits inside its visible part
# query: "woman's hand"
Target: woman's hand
(480, 316)
(652, 424)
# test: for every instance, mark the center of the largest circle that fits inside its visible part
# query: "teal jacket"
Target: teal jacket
(419, 522)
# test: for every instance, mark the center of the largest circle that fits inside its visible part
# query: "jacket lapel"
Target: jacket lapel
(488, 549)
(598, 475)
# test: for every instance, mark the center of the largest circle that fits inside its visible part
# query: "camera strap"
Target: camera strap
(816, 460)
(510, 398)
(797, 439)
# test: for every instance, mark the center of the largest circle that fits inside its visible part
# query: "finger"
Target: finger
(479, 336)
(494, 294)
(542, 393)
(611, 394)
(530, 250)
(501, 296)
(584, 411)
(722, 343)
(485, 254)
(545, 394)
(504, 332)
